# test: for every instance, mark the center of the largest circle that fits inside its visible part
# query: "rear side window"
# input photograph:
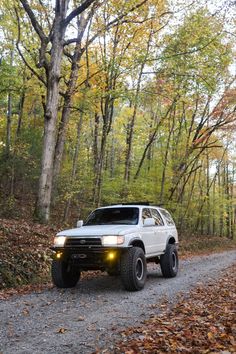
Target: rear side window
(146, 213)
(167, 217)
(157, 217)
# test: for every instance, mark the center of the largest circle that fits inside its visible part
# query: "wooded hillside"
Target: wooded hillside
(109, 101)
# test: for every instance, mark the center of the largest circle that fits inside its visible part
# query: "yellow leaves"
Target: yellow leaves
(203, 323)
(210, 335)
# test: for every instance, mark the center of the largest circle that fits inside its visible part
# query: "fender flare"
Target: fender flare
(137, 241)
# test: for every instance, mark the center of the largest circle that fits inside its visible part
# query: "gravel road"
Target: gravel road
(91, 315)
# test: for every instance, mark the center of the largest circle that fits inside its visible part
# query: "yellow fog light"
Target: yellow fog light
(111, 256)
(58, 255)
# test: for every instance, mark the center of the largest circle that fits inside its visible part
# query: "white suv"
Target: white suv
(119, 239)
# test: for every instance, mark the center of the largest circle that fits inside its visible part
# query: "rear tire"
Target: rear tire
(170, 262)
(133, 269)
(64, 275)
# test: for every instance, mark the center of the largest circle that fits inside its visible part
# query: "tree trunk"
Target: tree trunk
(208, 221)
(130, 130)
(9, 116)
(228, 202)
(112, 156)
(107, 109)
(232, 201)
(75, 163)
(207, 192)
(74, 73)
(221, 211)
(184, 224)
(42, 211)
(100, 163)
(171, 128)
(95, 143)
(21, 104)
(20, 115)
(214, 211)
(107, 115)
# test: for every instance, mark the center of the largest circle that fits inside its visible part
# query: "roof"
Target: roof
(129, 205)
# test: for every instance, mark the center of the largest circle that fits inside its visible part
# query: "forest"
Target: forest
(104, 102)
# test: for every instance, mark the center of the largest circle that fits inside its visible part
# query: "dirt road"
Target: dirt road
(90, 316)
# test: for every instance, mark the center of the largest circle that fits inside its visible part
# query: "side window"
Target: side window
(157, 217)
(146, 213)
(167, 217)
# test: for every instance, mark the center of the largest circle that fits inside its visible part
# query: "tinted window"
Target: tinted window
(108, 216)
(157, 217)
(167, 217)
(146, 213)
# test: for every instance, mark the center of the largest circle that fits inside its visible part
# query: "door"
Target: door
(160, 232)
(148, 233)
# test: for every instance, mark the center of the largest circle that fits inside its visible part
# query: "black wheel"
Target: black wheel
(170, 262)
(64, 275)
(133, 269)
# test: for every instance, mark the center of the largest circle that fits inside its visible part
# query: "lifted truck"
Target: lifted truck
(119, 239)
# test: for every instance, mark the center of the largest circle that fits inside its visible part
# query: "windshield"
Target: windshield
(113, 216)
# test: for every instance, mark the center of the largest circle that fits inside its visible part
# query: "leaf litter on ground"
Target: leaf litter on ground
(203, 322)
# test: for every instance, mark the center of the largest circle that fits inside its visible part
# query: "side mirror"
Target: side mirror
(149, 222)
(79, 223)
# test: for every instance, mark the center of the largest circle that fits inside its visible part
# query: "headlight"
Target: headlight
(112, 240)
(59, 241)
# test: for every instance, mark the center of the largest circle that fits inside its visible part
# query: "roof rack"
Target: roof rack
(136, 203)
(140, 203)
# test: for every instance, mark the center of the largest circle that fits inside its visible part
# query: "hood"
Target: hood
(99, 230)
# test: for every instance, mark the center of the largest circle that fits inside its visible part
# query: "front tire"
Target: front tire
(133, 269)
(64, 275)
(170, 262)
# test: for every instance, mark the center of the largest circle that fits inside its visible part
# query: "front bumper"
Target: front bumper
(90, 257)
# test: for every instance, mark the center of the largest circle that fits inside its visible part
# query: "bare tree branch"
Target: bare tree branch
(108, 26)
(33, 20)
(78, 11)
(153, 137)
(20, 52)
(46, 14)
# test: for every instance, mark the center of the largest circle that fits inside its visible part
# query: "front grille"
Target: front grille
(85, 241)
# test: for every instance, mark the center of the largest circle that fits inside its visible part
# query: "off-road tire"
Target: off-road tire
(133, 269)
(170, 262)
(64, 275)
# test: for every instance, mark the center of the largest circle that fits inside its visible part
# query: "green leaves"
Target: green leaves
(196, 54)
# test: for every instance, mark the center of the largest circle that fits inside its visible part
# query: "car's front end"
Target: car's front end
(99, 242)
(89, 252)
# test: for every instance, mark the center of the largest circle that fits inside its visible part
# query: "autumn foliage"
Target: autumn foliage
(202, 322)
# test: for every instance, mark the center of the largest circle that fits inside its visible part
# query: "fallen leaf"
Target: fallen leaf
(61, 330)
(81, 318)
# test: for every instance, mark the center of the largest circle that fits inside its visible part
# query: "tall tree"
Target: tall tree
(52, 49)
(55, 40)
